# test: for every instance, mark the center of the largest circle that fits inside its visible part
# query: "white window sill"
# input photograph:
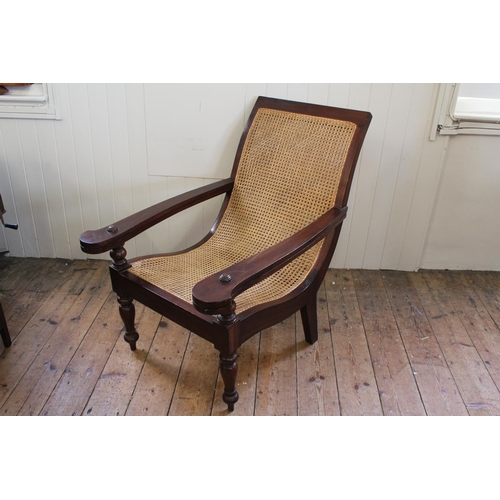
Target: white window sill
(477, 110)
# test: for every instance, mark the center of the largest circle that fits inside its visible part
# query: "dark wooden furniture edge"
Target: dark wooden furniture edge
(4, 330)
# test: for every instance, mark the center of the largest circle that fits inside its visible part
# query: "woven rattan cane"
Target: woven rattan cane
(288, 176)
(271, 244)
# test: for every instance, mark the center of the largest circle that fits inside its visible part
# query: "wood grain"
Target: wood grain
(195, 388)
(156, 383)
(442, 327)
(435, 381)
(317, 390)
(477, 389)
(40, 328)
(395, 378)
(40, 379)
(357, 386)
(277, 373)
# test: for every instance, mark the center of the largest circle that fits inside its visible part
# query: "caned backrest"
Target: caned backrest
(294, 162)
(287, 175)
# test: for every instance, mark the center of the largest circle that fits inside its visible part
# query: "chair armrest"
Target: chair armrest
(114, 236)
(215, 294)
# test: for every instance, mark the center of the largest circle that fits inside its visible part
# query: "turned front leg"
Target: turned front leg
(127, 313)
(229, 371)
(228, 357)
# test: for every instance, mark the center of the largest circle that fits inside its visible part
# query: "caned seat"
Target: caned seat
(271, 244)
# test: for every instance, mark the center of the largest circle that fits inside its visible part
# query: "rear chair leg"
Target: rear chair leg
(127, 313)
(310, 320)
(4, 330)
(229, 371)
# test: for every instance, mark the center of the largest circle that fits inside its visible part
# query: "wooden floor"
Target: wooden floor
(390, 343)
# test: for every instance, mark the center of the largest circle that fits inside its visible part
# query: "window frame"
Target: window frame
(40, 105)
(455, 115)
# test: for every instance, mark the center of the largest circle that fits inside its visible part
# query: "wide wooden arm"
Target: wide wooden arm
(215, 294)
(115, 235)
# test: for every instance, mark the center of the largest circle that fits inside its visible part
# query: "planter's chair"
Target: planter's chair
(271, 245)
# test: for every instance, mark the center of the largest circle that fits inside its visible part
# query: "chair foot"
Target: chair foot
(127, 313)
(231, 400)
(131, 339)
(229, 371)
(310, 321)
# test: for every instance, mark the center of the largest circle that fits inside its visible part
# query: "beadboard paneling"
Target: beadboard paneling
(121, 147)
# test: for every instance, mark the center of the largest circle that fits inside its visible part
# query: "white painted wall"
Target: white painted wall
(101, 162)
(464, 232)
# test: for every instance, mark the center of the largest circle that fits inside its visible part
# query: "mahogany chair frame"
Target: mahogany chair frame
(212, 314)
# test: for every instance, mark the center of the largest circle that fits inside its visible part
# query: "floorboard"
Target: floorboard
(389, 343)
(434, 379)
(477, 389)
(357, 386)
